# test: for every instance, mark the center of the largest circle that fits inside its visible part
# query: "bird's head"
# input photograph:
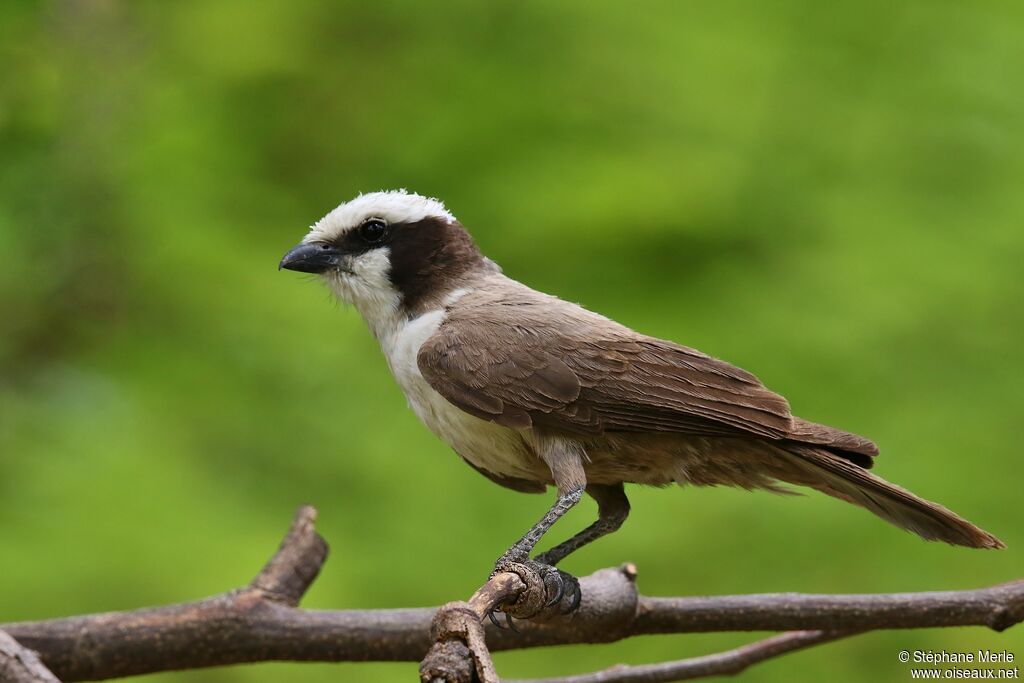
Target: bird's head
(388, 252)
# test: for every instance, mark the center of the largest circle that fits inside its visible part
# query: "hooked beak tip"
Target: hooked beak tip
(311, 258)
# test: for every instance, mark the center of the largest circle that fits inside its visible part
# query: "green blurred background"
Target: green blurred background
(830, 196)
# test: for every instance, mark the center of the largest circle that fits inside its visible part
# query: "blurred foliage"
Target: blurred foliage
(827, 194)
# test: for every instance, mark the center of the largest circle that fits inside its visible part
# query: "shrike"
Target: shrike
(534, 391)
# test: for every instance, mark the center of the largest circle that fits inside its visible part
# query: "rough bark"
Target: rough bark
(261, 622)
(18, 664)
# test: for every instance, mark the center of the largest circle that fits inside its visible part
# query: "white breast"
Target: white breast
(497, 449)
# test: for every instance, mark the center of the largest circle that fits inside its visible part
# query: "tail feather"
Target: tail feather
(840, 478)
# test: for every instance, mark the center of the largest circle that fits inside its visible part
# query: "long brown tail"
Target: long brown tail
(838, 477)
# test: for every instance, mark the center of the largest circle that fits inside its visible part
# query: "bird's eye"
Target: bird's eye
(373, 230)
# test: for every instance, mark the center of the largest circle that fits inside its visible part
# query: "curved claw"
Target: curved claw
(559, 591)
(554, 583)
(511, 625)
(494, 619)
(577, 598)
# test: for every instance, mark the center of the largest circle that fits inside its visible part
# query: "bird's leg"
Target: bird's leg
(612, 510)
(565, 458)
(521, 549)
(516, 559)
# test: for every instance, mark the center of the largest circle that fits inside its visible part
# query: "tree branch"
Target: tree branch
(997, 607)
(291, 571)
(261, 622)
(726, 663)
(459, 653)
(18, 664)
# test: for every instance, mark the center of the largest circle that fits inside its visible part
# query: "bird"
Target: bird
(533, 391)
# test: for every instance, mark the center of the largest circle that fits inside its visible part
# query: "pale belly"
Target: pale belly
(491, 447)
(499, 450)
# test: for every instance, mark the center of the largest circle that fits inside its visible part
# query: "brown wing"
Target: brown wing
(855, 448)
(538, 361)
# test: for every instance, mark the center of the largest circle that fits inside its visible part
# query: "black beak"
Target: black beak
(311, 258)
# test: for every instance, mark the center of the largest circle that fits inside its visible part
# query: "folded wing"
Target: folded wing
(520, 365)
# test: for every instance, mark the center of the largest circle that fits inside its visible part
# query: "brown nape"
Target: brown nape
(428, 258)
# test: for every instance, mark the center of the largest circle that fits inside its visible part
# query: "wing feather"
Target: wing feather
(523, 358)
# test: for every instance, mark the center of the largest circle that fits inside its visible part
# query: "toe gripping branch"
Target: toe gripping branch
(548, 592)
(459, 653)
(260, 622)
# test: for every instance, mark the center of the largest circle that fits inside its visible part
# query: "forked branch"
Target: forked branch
(261, 622)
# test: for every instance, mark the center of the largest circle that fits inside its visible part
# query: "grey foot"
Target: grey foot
(548, 589)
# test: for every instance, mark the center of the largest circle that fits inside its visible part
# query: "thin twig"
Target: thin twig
(497, 590)
(729, 662)
(291, 571)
